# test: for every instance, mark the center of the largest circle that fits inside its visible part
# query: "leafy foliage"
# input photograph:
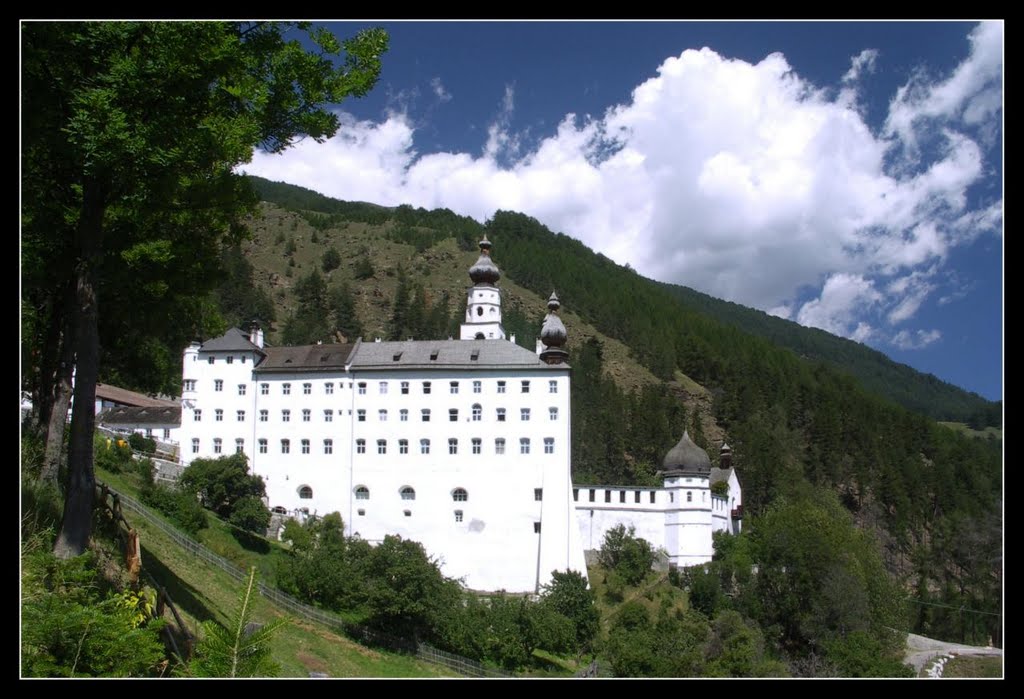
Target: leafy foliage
(630, 556)
(569, 595)
(221, 483)
(182, 507)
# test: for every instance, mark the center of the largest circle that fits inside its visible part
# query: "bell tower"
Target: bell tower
(483, 301)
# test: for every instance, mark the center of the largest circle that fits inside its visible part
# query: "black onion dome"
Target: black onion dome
(687, 456)
(484, 271)
(553, 333)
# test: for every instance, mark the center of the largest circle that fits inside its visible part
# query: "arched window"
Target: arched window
(479, 310)
(408, 493)
(305, 492)
(460, 495)
(479, 336)
(689, 496)
(362, 493)
(477, 412)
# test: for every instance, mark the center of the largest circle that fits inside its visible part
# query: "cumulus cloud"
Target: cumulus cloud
(742, 180)
(913, 340)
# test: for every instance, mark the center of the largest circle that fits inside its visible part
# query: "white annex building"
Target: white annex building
(462, 445)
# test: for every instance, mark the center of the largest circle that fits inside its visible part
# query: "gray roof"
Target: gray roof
(116, 394)
(445, 354)
(141, 416)
(720, 474)
(234, 340)
(687, 457)
(332, 357)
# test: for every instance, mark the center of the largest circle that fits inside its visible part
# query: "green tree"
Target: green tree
(331, 259)
(627, 554)
(249, 513)
(131, 135)
(569, 595)
(343, 309)
(364, 268)
(310, 321)
(222, 483)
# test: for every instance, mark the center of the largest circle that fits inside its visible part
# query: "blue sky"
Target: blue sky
(844, 175)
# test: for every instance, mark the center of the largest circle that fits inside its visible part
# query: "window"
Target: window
(382, 446)
(286, 446)
(575, 494)
(329, 388)
(362, 388)
(460, 495)
(305, 492)
(476, 446)
(607, 496)
(286, 389)
(453, 446)
(552, 386)
(286, 416)
(652, 497)
(524, 445)
(524, 414)
(536, 527)
(552, 413)
(195, 446)
(477, 412)
(307, 388)
(591, 495)
(362, 513)
(210, 360)
(425, 414)
(230, 359)
(360, 446)
(218, 415)
(526, 386)
(189, 384)
(265, 389)
(197, 416)
(328, 415)
(501, 387)
(408, 493)
(499, 446)
(403, 446)
(405, 388)
(407, 513)
(263, 446)
(242, 359)
(403, 415)
(477, 387)
(453, 387)
(424, 446)
(241, 415)
(305, 446)
(458, 515)
(538, 494)
(453, 415)
(636, 497)
(241, 389)
(264, 415)
(426, 387)
(383, 385)
(382, 415)
(305, 414)
(218, 385)
(622, 496)
(362, 493)
(501, 414)
(689, 496)
(239, 446)
(217, 445)
(549, 445)
(361, 415)
(328, 446)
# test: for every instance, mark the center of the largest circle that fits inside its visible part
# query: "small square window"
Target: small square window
(305, 446)
(622, 496)
(264, 415)
(403, 446)
(230, 359)
(607, 496)
(239, 446)
(286, 446)
(476, 446)
(426, 387)
(286, 416)
(361, 415)
(407, 513)
(263, 446)
(218, 385)
(552, 413)
(538, 494)
(453, 446)
(501, 387)
(524, 445)
(403, 415)
(210, 360)
(458, 515)
(217, 446)
(241, 416)
(575, 494)
(362, 388)
(477, 387)
(195, 446)
(265, 389)
(552, 386)
(425, 414)
(526, 386)
(328, 416)
(453, 387)
(382, 446)
(405, 388)
(501, 414)
(499, 446)
(307, 389)
(383, 387)
(424, 446)
(218, 415)
(382, 415)
(328, 446)
(361, 512)
(306, 413)
(591, 495)
(329, 388)
(453, 415)
(241, 389)
(360, 446)
(524, 414)
(197, 416)
(549, 445)
(636, 496)
(286, 389)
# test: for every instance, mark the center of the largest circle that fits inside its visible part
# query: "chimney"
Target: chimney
(256, 334)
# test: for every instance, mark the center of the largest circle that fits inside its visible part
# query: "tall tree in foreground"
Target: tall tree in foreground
(131, 135)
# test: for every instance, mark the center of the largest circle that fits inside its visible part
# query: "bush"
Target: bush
(181, 507)
(626, 554)
(331, 259)
(112, 455)
(250, 514)
(147, 445)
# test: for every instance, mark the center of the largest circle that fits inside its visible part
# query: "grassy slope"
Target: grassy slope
(985, 433)
(974, 666)
(202, 592)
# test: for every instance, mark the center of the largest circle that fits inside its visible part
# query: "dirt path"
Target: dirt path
(922, 650)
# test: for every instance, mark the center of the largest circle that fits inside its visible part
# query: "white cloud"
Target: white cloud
(439, 90)
(739, 179)
(913, 340)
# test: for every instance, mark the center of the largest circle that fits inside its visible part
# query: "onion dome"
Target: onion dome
(687, 457)
(484, 271)
(553, 332)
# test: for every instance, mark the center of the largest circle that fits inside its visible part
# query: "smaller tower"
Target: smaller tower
(553, 335)
(725, 456)
(256, 333)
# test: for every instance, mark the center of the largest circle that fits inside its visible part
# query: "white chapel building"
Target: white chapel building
(462, 445)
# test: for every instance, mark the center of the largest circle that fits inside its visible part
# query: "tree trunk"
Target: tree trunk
(59, 406)
(76, 525)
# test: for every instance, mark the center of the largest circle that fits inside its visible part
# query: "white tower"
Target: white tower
(483, 302)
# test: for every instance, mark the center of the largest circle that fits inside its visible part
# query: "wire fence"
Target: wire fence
(457, 663)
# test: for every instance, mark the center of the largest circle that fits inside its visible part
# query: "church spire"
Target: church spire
(483, 299)
(553, 334)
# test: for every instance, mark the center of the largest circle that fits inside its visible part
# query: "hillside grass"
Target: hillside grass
(655, 593)
(204, 592)
(974, 666)
(986, 433)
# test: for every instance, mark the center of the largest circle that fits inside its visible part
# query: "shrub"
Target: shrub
(181, 507)
(147, 445)
(249, 513)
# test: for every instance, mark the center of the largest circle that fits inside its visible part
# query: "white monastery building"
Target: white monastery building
(462, 445)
